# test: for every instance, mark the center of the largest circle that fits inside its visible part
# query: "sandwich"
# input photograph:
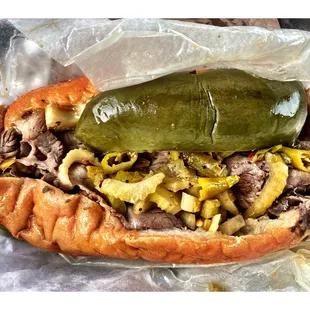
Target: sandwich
(190, 168)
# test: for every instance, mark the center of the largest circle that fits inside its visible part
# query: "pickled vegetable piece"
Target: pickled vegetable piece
(129, 176)
(131, 192)
(227, 202)
(205, 165)
(199, 222)
(215, 287)
(165, 200)
(232, 225)
(77, 155)
(300, 159)
(210, 208)
(215, 223)
(189, 219)
(215, 111)
(273, 187)
(193, 190)
(211, 187)
(206, 224)
(190, 203)
(259, 155)
(223, 213)
(95, 173)
(7, 163)
(114, 162)
(142, 206)
(117, 204)
(177, 176)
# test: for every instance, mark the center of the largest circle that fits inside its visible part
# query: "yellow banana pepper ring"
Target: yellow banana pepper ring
(211, 187)
(114, 162)
(300, 159)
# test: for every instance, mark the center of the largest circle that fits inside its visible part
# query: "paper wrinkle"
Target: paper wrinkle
(131, 55)
(25, 268)
(121, 53)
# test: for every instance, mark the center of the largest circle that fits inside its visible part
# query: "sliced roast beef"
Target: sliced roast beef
(160, 159)
(32, 124)
(299, 181)
(70, 141)
(9, 143)
(78, 176)
(305, 145)
(154, 219)
(294, 201)
(252, 177)
(46, 152)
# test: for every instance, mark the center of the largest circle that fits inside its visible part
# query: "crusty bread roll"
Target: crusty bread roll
(74, 92)
(52, 220)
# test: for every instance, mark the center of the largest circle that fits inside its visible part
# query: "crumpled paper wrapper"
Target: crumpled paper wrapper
(118, 53)
(25, 268)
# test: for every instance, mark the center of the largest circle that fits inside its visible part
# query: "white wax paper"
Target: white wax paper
(124, 52)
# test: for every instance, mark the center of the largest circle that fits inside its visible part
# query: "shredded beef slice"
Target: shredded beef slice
(154, 219)
(305, 145)
(46, 152)
(70, 141)
(32, 125)
(299, 181)
(9, 143)
(78, 176)
(294, 201)
(252, 177)
(160, 159)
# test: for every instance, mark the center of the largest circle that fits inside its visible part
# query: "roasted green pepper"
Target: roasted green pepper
(218, 110)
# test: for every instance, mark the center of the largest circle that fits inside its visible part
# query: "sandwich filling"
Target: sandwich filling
(217, 192)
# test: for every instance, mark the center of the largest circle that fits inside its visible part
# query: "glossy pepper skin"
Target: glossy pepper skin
(218, 110)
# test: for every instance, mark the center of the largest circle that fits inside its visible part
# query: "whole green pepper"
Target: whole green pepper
(218, 110)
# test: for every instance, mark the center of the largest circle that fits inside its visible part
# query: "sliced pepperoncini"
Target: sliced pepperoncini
(116, 161)
(129, 176)
(117, 204)
(95, 173)
(259, 155)
(211, 187)
(142, 206)
(7, 163)
(165, 200)
(273, 188)
(300, 159)
(227, 201)
(206, 165)
(131, 192)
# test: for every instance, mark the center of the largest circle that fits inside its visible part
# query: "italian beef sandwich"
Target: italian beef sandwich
(193, 167)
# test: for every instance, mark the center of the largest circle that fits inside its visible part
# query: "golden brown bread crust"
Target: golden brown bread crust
(76, 91)
(54, 221)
